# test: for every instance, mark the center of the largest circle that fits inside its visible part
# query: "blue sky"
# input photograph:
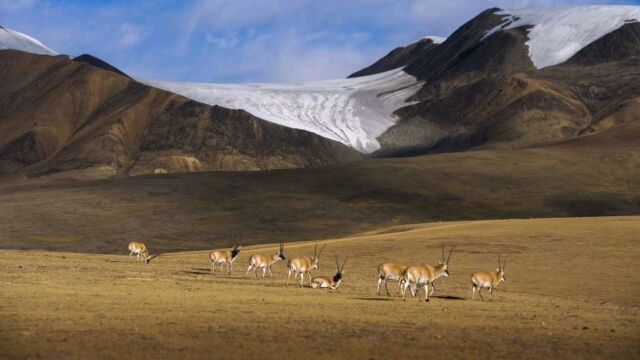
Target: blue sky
(244, 40)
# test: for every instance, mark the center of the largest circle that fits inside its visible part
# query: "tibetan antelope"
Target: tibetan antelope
(223, 257)
(326, 282)
(425, 275)
(303, 265)
(264, 262)
(391, 271)
(139, 249)
(489, 280)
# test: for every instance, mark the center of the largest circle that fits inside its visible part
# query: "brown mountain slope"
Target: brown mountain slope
(590, 176)
(57, 114)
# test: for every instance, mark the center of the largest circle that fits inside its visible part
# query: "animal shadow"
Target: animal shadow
(198, 271)
(448, 297)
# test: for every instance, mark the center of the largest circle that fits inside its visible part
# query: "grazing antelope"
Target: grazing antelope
(223, 257)
(425, 275)
(264, 262)
(139, 249)
(303, 265)
(324, 282)
(489, 280)
(391, 271)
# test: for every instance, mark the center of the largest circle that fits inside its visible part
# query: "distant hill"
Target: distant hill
(590, 176)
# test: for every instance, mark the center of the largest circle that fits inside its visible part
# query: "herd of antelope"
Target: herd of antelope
(408, 277)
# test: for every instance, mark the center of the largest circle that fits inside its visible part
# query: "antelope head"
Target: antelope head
(337, 278)
(444, 263)
(148, 257)
(280, 255)
(236, 246)
(500, 269)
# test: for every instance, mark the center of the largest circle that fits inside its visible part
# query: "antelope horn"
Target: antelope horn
(337, 264)
(450, 252)
(321, 250)
(504, 264)
(315, 251)
(443, 252)
(343, 264)
(499, 261)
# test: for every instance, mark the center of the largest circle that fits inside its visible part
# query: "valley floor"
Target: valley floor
(572, 291)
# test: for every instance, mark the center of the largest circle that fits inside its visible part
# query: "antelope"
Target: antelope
(303, 265)
(264, 262)
(227, 257)
(489, 280)
(139, 249)
(391, 271)
(425, 275)
(324, 282)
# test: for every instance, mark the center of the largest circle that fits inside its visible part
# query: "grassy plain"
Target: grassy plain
(572, 291)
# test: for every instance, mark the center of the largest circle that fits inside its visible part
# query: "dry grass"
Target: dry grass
(572, 291)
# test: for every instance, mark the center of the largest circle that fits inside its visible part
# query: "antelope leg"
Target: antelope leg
(426, 292)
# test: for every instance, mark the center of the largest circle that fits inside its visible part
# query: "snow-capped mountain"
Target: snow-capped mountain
(522, 77)
(10, 39)
(557, 34)
(351, 111)
(357, 111)
(505, 79)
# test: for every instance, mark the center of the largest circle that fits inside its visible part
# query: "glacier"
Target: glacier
(351, 111)
(11, 39)
(558, 34)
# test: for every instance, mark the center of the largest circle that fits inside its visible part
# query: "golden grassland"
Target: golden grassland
(572, 292)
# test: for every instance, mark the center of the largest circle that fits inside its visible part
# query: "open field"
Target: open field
(572, 291)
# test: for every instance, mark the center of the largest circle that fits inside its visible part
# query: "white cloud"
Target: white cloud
(130, 35)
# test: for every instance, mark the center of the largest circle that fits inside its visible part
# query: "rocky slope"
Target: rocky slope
(57, 114)
(400, 56)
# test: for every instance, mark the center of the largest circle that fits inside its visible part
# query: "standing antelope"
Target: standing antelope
(139, 249)
(425, 275)
(489, 280)
(323, 282)
(227, 257)
(264, 262)
(303, 265)
(391, 271)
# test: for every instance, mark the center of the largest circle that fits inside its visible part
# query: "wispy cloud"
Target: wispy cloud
(130, 35)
